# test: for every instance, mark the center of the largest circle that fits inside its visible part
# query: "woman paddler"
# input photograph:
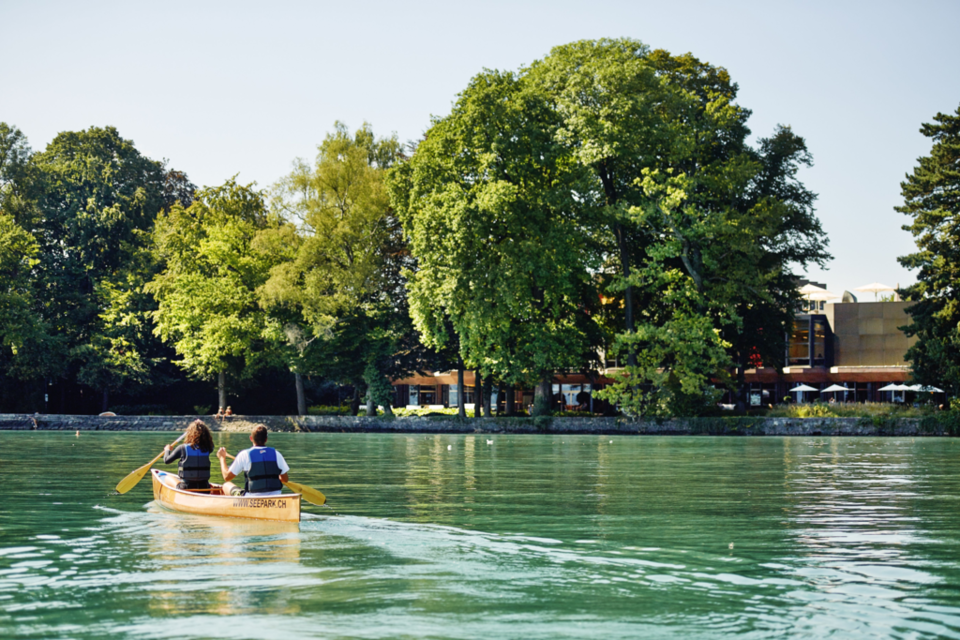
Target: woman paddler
(194, 457)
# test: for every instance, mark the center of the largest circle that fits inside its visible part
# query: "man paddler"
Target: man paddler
(264, 468)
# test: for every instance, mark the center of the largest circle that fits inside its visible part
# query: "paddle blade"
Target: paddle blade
(309, 494)
(131, 480)
(136, 476)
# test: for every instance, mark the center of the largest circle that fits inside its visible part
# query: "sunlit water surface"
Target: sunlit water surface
(494, 537)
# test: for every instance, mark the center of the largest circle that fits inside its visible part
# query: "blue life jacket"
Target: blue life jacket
(194, 467)
(264, 473)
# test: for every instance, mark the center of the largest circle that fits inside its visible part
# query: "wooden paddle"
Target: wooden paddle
(131, 480)
(309, 494)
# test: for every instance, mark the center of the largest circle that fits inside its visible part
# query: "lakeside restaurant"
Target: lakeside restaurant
(854, 345)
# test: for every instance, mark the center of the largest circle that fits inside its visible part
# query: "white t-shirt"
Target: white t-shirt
(242, 464)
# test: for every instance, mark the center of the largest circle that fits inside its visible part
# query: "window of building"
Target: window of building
(819, 345)
(428, 394)
(799, 349)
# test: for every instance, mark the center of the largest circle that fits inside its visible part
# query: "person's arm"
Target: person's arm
(227, 474)
(284, 468)
(171, 455)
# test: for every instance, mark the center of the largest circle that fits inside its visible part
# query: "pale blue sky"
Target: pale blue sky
(221, 88)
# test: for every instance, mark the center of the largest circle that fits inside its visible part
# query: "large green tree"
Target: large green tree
(340, 289)
(88, 200)
(641, 160)
(931, 197)
(489, 202)
(207, 286)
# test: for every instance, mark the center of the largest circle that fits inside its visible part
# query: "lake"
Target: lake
(494, 536)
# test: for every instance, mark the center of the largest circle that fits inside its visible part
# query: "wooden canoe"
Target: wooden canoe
(283, 508)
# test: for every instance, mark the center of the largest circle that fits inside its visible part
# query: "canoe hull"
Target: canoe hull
(283, 508)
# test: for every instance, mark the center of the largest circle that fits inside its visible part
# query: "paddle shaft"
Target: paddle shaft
(136, 476)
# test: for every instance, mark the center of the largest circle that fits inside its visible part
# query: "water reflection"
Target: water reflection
(860, 538)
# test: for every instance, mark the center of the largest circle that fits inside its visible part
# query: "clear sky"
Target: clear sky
(224, 88)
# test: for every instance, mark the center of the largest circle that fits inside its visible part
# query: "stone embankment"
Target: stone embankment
(731, 426)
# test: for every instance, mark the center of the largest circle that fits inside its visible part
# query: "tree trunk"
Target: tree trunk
(461, 409)
(487, 397)
(621, 235)
(301, 399)
(105, 403)
(542, 397)
(477, 395)
(222, 388)
(510, 401)
(741, 384)
(371, 405)
(355, 401)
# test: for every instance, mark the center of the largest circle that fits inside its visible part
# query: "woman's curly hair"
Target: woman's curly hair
(198, 434)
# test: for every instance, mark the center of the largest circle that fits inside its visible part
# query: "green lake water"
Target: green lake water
(437, 536)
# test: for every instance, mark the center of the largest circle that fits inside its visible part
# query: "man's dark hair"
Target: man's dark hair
(260, 435)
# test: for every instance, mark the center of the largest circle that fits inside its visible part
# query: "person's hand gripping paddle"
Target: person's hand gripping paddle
(131, 480)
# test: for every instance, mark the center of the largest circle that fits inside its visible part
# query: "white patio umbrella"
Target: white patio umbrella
(814, 293)
(874, 287)
(927, 389)
(834, 388)
(800, 388)
(895, 387)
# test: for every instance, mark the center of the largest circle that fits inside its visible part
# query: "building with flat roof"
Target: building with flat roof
(858, 345)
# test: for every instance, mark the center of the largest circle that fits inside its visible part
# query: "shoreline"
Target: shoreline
(943, 425)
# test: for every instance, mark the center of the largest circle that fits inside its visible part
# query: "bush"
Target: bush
(321, 410)
(878, 411)
(423, 412)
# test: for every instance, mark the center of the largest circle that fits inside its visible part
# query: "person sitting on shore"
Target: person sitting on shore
(228, 412)
(219, 414)
(264, 468)
(194, 457)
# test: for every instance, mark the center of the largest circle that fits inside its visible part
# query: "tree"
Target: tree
(87, 200)
(206, 289)
(501, 246)
(609, 101)
(341, 283)
(931, 196)
(17, 257)
(17, 188)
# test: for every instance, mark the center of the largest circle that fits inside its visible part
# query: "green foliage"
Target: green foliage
(699, 231)
(488, 201)
(87, 199)
(207, 289)
(321, 410)
(932, 198)
(339, 285)
(18, 249)
(422, 412)
(871, 410)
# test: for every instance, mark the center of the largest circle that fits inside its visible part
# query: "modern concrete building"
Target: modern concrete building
(858, 345)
